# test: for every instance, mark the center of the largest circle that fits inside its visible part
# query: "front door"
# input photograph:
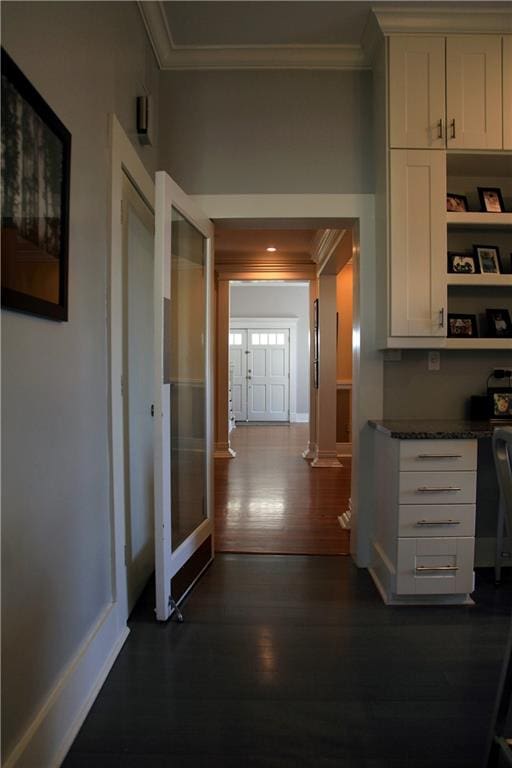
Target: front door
(183, 402)
(268, 375)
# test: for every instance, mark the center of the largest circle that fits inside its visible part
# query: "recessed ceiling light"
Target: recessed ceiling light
(271, 249)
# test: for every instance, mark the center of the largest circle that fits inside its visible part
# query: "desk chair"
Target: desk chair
(499, 751)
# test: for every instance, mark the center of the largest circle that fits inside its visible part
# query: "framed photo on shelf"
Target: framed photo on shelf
(463, 263)
(500, 404)
(499, 325)
(491, 199)
(462, 327)
(456, 203)
(36, 154)
(488, 259)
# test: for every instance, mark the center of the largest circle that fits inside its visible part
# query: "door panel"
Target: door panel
(183, 407)
(268, 375)
(138, 245)
(238, 373)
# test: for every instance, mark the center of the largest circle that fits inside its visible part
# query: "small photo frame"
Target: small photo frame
(463, 263)
(491, 200)
(488, 259)
(500, 404)
(462, 327)
(499, 325)
(456, 203)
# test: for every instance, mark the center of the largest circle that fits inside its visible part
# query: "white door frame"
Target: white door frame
(124, 161)
(358, 211)
(289, 324)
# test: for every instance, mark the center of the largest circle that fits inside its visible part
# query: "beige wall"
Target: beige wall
(86, 59)
(344, 288)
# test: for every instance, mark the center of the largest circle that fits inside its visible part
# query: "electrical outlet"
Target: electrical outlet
(434, 361)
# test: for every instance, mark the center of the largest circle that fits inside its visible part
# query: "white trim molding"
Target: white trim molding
(172, 56)
(300, 418)
(54, 728)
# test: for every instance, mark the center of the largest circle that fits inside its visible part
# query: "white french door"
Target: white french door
(183, 401)
(238, 372)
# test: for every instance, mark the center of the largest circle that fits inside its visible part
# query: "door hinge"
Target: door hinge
(152, 410)
(122, 386)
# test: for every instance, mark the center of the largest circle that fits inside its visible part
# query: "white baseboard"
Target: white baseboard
(299, 418)
(54, 728)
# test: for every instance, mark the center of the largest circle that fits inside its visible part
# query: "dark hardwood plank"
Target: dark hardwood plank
(269, 500)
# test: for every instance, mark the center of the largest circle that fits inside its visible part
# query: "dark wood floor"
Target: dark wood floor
(295, 661)
(269, 499)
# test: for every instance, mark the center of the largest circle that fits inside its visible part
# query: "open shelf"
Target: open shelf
(498, 281)
(470, 219)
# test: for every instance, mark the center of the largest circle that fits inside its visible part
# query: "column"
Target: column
(326, 455)
(310, 452)
(222, 447)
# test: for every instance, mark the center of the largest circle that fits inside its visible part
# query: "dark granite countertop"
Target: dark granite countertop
(434, 429)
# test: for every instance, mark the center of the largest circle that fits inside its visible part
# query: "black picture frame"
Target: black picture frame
(462, 326)
(456, 203)
(487, 256)
(500, 404)
(36, 162)
(316, 342)
(491, 200)
(463, 264)
(499, 325)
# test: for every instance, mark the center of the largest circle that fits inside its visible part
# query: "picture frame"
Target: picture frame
(463, 263)
(456, 203)
(488, 259)
(491, 200)
(462, 326)
(36, 160)
(499, 325)
(500, 404)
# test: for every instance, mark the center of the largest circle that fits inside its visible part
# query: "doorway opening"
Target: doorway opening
(269, 498)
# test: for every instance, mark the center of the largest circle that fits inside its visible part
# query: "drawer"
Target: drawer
(428, 520)
(437, 566)
(437, 488)
(434, 455)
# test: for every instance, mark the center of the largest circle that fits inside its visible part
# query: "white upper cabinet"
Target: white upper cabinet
(447, 92)
(417, 92)
(474, 92)
(417, 243)
(507, 92)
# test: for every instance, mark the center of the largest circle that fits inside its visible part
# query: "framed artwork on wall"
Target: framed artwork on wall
(36, 154)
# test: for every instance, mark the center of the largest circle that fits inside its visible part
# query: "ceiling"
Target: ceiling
(308, 34)
(296, 243)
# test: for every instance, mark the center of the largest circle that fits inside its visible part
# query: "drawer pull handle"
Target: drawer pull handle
(438, 522)
(439, 456)
(440, 489)
(421, 568)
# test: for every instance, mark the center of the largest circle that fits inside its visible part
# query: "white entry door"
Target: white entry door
(268, 375)
(238, 373)
(183, 401)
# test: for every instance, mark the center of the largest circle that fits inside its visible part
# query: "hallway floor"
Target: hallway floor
(269, 499)
(295, 661)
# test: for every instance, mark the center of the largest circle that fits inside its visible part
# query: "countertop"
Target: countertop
(435, 429)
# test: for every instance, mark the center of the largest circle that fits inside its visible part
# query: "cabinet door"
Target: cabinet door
(473, 92)
(507, 92)
(417, 243)
(417, 92)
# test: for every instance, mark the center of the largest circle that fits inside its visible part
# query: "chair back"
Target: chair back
(502, 450)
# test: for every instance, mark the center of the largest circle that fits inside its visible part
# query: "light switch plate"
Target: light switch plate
(434, 361)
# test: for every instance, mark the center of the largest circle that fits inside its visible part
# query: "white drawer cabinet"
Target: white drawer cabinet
(425, 519)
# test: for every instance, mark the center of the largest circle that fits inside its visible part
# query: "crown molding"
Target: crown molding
(171, 56)
(494, 19)
(325, 243)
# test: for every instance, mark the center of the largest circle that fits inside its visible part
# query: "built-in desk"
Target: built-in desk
(425, 509)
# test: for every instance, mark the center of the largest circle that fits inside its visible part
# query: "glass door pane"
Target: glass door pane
(188, 379)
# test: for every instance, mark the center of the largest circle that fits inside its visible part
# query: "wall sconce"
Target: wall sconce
(145, 120)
